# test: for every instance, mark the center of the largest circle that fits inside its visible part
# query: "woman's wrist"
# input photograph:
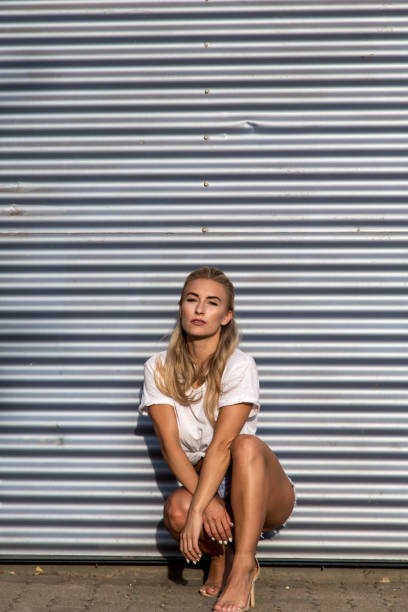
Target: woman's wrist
(196, 509)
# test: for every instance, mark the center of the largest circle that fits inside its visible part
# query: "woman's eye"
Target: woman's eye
(214, 303)
(190, 300)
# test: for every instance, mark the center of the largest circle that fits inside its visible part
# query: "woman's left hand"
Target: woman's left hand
(190, 535)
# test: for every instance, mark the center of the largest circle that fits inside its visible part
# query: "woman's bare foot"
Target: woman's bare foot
(215, 579)
(235, 596)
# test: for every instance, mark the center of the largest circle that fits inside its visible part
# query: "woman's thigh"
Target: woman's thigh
(281, 500)
(277, 490)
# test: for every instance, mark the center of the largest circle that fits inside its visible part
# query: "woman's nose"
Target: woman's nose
(199, 308)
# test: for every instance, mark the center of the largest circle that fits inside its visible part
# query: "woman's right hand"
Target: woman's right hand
(217, 522)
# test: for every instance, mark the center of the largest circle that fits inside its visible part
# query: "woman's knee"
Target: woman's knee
(247, 446)
(175, 510)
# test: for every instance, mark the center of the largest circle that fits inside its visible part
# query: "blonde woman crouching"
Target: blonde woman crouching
(203, 397)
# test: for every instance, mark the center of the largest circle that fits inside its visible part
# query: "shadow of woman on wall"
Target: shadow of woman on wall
(166, 483)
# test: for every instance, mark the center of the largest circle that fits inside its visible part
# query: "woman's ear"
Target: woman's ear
(227, 318)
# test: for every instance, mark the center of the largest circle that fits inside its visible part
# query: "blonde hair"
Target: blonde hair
(175, 377)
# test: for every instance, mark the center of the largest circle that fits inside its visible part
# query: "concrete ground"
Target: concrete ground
(125, 588)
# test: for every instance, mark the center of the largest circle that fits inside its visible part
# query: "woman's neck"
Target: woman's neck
(202, 349)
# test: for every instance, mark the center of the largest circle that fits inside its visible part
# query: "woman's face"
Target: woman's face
(204, 308)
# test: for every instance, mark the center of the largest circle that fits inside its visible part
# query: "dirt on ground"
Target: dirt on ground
(42, 587)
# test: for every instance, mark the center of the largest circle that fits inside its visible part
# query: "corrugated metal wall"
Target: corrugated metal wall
(142, 139)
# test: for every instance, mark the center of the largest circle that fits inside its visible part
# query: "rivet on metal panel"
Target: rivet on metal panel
(207, 91)
(206, 45)
(13, 210)
(204, 230)
(206, 183)
(206, 137)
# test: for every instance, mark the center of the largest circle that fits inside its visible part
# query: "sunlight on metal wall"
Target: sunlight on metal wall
(139, 140)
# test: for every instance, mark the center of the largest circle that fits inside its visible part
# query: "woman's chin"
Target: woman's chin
(199, 333)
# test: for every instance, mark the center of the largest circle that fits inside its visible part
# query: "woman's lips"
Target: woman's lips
(197, 322)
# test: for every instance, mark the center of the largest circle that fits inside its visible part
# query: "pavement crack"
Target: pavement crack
(11, 607)
(90, 601)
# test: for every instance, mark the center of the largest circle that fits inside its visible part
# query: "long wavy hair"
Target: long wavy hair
(175, 377)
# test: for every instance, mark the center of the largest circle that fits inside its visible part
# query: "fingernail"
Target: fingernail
(213, 539)
(194, 562)
(229, 539)
(188, 560)
(225, 542)
(219, 541)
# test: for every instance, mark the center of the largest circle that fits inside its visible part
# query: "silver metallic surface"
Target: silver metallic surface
(139, 140)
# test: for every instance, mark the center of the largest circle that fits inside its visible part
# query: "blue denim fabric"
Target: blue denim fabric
(225, 486)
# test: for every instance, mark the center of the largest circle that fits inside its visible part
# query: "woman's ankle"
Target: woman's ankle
(244, 560)
(244, 554)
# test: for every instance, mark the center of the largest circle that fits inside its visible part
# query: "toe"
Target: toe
(209, 589)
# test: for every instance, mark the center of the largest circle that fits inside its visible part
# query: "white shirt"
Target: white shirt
(239, 384)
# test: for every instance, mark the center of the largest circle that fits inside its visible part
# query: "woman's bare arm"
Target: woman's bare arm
(216, 520)
(230, 421)
(165, 426)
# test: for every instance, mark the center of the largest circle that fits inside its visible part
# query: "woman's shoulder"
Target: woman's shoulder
(239, 360)
(151, 362)
(240, 379)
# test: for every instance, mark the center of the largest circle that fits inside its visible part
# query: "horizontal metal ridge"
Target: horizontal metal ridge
(129, 7)
(140, 140)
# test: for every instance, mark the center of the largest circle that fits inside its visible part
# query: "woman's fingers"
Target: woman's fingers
(216, 530)
(222, 530)
(189, 537)
(211, 529)
(192, 556)
(217, 524)
(229, 519)
(227, 529)
(189, 548)
(208, 528)
(190, 553)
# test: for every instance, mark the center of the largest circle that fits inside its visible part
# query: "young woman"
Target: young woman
(203, 397)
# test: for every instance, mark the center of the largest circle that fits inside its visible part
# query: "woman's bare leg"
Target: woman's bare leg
(175, 515)
(261, 497)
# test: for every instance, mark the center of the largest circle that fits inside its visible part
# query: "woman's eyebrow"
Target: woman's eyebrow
(209, 297)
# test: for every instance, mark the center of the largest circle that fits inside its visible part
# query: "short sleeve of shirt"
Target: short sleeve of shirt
(151, 394)
(240, 383)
